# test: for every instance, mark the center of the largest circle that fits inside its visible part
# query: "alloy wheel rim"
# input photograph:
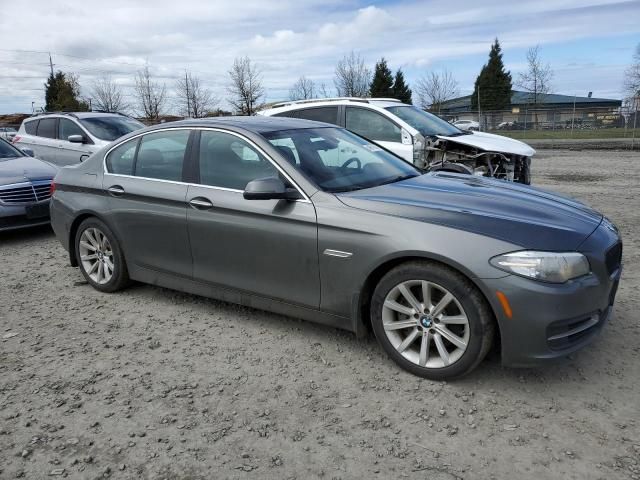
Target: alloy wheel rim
(96, 255)
(425, 323)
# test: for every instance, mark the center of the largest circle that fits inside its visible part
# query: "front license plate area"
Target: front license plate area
(38, 211)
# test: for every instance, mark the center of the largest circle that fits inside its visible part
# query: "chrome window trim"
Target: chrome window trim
(305, 199)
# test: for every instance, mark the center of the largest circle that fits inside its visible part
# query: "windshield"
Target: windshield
(426, 123)
(339, 161)
(110, 128)
(8, 151)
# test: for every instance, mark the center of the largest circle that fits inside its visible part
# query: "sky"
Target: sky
(588, 43)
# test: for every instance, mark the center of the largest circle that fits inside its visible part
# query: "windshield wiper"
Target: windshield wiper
(399, 178)
(457, 134)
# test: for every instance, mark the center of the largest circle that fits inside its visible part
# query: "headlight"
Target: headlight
(544, 266)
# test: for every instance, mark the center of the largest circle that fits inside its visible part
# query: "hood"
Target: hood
(22, 169)
(492, 143)
(522, 215)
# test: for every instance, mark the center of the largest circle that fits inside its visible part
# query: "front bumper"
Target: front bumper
(551, 321)
(13, 217)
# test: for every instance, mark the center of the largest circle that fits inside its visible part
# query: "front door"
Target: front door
(264, 247)
(379, 129)
(147, 201)
(69, 153)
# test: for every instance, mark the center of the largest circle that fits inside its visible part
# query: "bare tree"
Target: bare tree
(151, 96)
(194, 100)
(632, 76)
(434, 88)
(246, 86)
(303, 89)
(107, 95)
(352, 77)
(322, 91)
(537, 79)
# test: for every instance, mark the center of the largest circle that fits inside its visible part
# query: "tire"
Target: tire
(108, 253)
(472, 339)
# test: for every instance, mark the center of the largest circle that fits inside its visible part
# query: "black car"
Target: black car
(25, 188)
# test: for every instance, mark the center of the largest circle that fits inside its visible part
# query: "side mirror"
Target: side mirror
(27, 151)
(75, 138)
(406, 138)
(270, 188)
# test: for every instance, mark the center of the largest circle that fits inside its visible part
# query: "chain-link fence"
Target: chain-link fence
(574, 123)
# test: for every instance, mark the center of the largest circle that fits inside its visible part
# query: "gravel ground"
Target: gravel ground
(150, 383)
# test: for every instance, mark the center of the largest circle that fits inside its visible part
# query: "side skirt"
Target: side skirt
(183, 284)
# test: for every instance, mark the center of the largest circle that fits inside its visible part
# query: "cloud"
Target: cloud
(289, 38)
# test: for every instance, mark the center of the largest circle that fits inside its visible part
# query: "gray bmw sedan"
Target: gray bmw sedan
(309, 220)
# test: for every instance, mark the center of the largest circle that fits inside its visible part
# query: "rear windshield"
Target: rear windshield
(110, 128)
(8, 151)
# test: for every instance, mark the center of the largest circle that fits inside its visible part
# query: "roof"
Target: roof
(80, 114)
(257, 124)
(323, 102)
(544, 100)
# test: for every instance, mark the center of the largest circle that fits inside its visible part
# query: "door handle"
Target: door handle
(200, 203)
(116, 190)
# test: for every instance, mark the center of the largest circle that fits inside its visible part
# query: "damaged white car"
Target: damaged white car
(424, 139)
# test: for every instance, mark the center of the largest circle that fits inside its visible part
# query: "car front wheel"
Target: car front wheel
(431, 320)
(99, 256)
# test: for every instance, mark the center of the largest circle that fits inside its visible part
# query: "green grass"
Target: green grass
(596, 134)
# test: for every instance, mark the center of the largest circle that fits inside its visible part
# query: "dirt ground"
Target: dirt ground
(150, 383)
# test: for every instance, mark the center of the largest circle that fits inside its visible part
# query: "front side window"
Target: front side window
(227, 161)
(121, 158)
(338, 161)
(47, 128)
(66, 128)
(161, 155)
(320, 114)
(372, 125)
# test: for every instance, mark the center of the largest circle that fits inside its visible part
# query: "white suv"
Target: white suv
(69, 138)
(419, 137)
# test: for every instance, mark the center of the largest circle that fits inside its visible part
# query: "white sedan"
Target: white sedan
(471, 125)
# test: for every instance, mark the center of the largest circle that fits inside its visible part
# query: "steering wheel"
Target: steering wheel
(350, 161)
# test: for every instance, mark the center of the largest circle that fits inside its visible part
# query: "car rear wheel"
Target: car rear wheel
(431, 320)
(100, 257)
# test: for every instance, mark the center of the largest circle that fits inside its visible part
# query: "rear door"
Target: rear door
(379, 129)
(265, 247)
(44, 142)
(69, 153)
(147, 200)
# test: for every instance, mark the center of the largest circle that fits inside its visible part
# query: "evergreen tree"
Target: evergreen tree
(382, 83)
(494, 83)
(62, 93)
(401, 90)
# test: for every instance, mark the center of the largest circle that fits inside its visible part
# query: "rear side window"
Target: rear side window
(67, 128)
(121, 158)
(320, 114)
(372, 125)
(161, 155)
(31, 127)
(47, 128)
(289, 114)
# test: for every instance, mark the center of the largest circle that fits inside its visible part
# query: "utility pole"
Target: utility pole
(573, 116)
(51, 64)
(479, 110)
(186, 83)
